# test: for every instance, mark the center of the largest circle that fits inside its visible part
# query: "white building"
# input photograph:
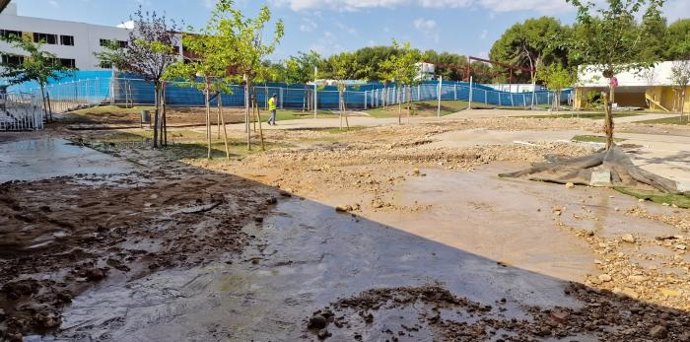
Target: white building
(72, 42)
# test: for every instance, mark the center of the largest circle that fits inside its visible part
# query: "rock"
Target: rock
(605, 278)
(681, 247)
(343, 208)
(317, 322)
(658, 332)
(670, 293)
(560, 316)
(416, 172)
(569, 185)
(629, 238)
(324, 334)
(95, 274)
(641, 200)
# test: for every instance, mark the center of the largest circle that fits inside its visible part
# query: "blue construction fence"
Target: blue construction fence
(84, 88)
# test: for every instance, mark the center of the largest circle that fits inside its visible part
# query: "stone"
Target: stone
(560, 316)
(600, 178)
(324, 334)
(681, 247)
(658, 331)
(416, 172)
(343, 208)
(629, 238)
(569, 185)
(605, 278)
(641, 200)
(317, 322)
(670, 293)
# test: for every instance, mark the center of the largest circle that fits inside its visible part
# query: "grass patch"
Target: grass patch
(593, 139)
(182, 144)
(591, 116)
(671, 120)
(681, 201)
(423, 108)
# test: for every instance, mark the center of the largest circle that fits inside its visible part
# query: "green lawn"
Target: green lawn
(671, 120)
(423, 108)
(593, 138)
(592, 116)
(680, 201)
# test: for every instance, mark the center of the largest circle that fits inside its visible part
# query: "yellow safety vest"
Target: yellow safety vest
(272, 104)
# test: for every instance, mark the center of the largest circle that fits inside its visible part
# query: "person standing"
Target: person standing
(273, 107)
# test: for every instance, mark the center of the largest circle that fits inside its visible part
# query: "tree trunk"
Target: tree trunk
(45, 104)
(608, 121)
(156, 112)
(247, 113)
(261, 130)
(164, 118)
(225, 129)
(397, 96)
(207, 98)
(409, 103)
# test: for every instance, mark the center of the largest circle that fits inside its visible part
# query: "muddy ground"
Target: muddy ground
(61, 237)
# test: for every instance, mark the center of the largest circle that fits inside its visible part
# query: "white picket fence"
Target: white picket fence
(20, 112)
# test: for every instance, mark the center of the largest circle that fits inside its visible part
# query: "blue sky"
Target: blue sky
(330, 26)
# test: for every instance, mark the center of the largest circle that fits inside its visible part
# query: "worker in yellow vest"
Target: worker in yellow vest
(272, 107)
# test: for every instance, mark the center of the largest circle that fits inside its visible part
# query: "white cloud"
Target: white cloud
(127, 25)
(424, 24)
(308, 25)
(484, 34)
(428, 27)
(54, 3)
(543, 6)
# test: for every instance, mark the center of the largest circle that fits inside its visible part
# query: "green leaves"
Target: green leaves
(38, 65)
(404, 66)
(608, 38)
(556, 77)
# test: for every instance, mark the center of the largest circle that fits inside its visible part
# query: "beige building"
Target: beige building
(651, 89)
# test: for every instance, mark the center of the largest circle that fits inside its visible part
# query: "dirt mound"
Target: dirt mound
(451, 318)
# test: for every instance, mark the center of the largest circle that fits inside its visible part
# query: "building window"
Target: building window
(120, 43)
(67, 40)
(9, 34)
(14, 60)
(46, 38)
(68, 63)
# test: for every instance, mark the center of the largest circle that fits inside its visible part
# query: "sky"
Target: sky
(468, 27)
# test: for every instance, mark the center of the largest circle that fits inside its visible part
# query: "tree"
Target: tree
(205, 67)
(249, 50)
(654, 35)
(403, 68)
(151, 49)
(610, 42)
(556, 78)
(342, 67)
(680, 76)
(678, 40)
(300, 69)
(39, 66)
(530, 45)
(611, 45)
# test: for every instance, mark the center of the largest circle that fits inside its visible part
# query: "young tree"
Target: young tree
(608, 39)
(556, 78)
(342, 68)
(403, 68)
(205, 68)
(610, 42)
(39, 66)
(680, 76)
(249, 49)
(151, 49)
(300, 69)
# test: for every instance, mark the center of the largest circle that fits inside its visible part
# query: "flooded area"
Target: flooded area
(52, 157)
(310, 256)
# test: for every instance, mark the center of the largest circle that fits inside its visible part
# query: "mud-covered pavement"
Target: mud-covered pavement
(379, 234)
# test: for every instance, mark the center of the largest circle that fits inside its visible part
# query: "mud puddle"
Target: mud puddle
(51, 157)
(305, 256)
